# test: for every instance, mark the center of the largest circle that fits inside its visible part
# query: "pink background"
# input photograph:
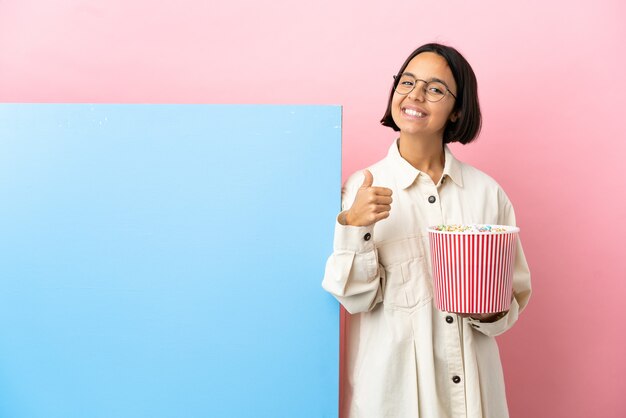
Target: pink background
(552, 88)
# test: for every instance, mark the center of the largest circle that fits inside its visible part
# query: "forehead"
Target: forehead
(429, 65)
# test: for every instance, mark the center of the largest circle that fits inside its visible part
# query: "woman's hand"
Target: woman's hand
(486, 317)
(371, 204)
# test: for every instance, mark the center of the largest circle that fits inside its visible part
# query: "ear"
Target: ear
(454, 116)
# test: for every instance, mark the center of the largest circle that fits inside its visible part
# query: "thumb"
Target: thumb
(368, 180)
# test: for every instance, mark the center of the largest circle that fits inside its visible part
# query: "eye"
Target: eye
(436, 88)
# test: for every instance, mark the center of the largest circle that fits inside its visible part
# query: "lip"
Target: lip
(416, 109)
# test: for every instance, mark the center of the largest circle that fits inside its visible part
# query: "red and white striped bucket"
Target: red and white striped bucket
(473, 267)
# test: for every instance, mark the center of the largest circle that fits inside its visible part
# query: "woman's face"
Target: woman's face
(413, 114)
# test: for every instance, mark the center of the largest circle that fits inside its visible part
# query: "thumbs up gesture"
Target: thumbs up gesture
(371, 204)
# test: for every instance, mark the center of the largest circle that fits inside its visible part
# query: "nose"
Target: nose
(418, 92)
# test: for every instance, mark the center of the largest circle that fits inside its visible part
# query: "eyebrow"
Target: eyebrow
(430, 79)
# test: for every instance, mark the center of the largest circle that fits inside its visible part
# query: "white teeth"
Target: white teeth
(413, 113)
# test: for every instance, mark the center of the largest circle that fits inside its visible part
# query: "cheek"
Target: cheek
(395, 105)
(447, 112)
(396, 99)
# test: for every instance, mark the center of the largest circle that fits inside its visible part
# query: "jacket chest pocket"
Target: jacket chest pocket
(408, 282)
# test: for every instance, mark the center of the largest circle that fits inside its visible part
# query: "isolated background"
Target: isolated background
(551, 88)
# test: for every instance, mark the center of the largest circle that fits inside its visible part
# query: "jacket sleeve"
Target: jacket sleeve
(353, 274)
(521, 279)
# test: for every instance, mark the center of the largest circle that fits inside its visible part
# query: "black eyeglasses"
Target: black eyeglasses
(434, 90)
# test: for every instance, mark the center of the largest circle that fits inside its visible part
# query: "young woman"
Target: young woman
(406, 358)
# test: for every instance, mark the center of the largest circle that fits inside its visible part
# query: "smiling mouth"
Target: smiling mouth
(414, 113)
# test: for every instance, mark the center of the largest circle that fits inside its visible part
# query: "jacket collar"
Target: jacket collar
(407, 174)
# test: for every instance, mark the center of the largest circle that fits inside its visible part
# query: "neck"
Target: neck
(424, 154)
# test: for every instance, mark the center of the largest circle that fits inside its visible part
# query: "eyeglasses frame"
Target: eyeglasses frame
(397, 79)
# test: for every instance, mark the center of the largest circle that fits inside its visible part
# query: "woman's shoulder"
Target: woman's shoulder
(477, 180)
(473, 176)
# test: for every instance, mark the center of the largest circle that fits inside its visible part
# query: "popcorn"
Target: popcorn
(474, 228)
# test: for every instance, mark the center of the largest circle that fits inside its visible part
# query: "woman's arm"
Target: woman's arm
(496, 325)
(353, 274)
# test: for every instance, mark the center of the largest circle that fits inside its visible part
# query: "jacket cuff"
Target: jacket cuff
(496, 328)
(357, 239)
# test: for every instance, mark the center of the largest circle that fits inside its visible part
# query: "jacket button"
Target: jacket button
(456, 379)
(432, 199)
(367, 236)
(449, 319)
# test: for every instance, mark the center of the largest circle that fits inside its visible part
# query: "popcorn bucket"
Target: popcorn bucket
(473, 267)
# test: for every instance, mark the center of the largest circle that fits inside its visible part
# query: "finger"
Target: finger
(382, 200)
(377, 199)
(368, 180)
(383, 191)
(380, 216)
(382, 208)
